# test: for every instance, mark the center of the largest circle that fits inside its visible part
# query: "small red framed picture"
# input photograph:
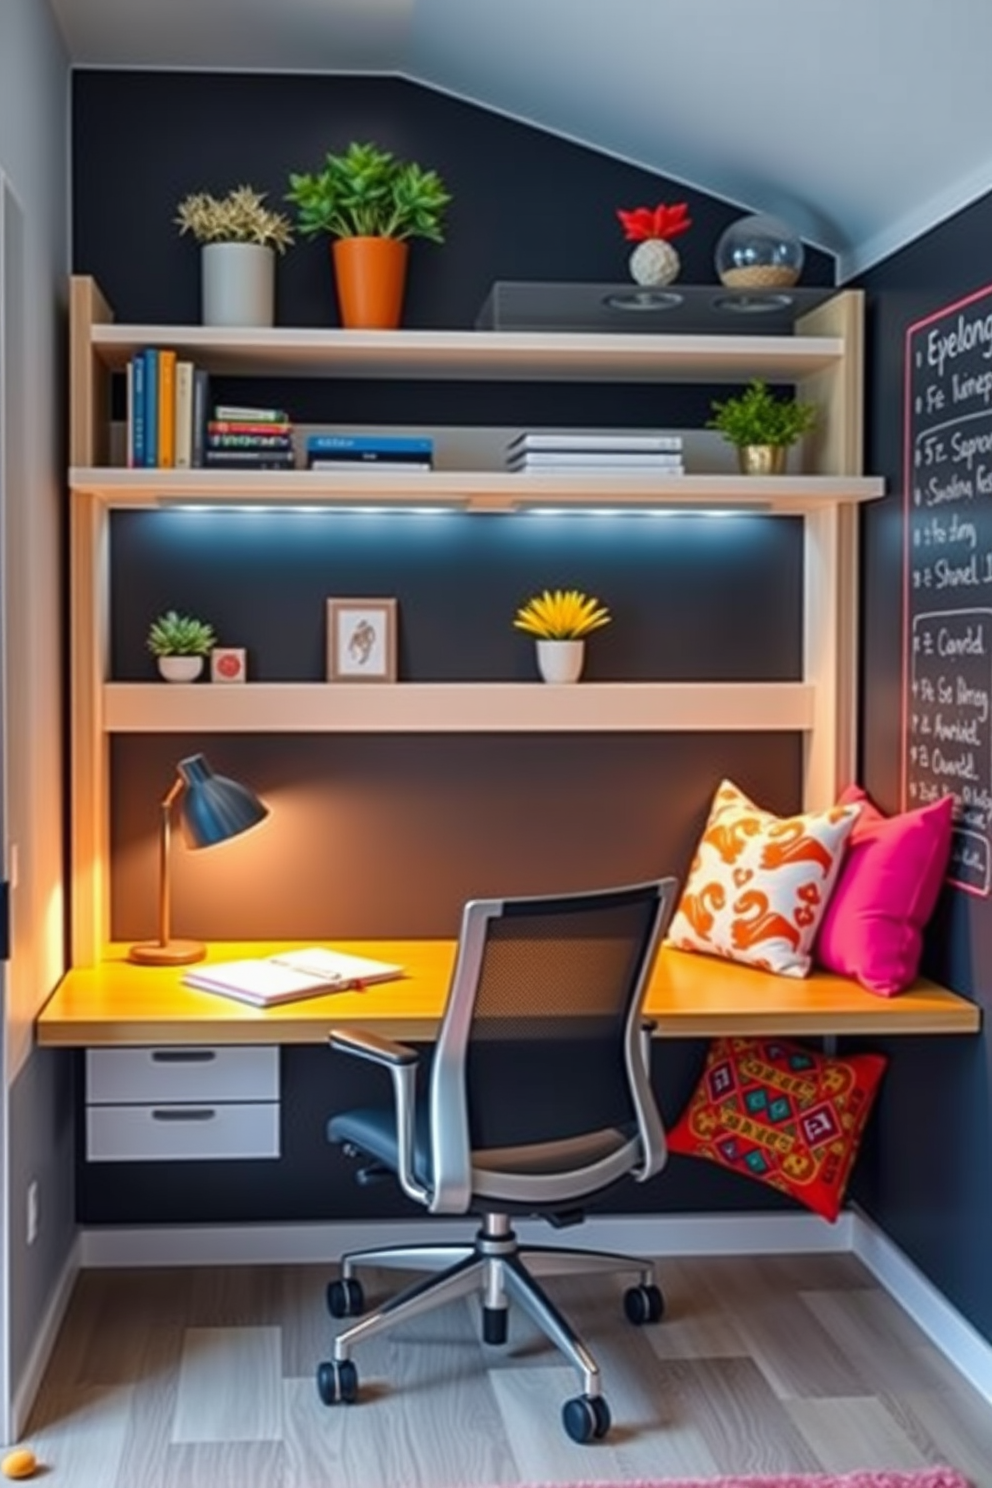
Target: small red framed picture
(228, 664)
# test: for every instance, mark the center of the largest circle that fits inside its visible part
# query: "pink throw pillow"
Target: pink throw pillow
(886, 891)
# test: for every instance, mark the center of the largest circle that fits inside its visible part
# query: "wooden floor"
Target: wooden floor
(204, 1378)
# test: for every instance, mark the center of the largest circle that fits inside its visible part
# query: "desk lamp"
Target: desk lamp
(212, 809)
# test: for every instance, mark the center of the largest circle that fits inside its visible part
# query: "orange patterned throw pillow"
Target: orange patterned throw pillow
(783, 1114)
(759, 884)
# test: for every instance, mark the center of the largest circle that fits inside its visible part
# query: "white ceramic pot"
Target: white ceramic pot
(238, 284)
(561, 661)
(180, 668)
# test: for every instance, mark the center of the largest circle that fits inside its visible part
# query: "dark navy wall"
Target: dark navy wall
(400, 831)
(931, 1150)
(526, 206)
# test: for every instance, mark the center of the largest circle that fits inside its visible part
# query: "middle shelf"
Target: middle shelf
(456, 707)
(480, 490)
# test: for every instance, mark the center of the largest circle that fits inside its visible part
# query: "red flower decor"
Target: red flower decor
(662, 222)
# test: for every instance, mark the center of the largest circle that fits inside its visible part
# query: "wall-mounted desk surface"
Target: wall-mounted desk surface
(115, 1003)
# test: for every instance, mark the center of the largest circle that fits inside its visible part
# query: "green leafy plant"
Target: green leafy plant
(173, 634)
(758, 417)
(239, 217)
(368, 193)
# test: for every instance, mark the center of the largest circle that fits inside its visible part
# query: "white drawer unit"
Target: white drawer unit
(184, 1133)
(182, 1104)
(139, 1076)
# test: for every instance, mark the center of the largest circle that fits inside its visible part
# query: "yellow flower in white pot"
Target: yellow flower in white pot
(560, 620)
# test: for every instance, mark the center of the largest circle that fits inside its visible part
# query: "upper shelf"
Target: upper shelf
(480, 355)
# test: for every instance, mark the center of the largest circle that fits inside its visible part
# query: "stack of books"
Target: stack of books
(639, 453)
(239, 438)
(349, 451)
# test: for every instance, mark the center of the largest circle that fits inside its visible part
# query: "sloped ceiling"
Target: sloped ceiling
(863, 122)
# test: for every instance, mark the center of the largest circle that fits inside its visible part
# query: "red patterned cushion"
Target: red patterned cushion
(781, 1113)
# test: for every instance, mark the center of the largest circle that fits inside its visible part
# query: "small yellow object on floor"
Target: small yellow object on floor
(20, 1463)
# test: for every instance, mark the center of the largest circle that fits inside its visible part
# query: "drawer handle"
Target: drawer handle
(183, 1113)
(183, 1056)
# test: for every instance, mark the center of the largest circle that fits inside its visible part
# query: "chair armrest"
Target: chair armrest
(401, 1062)
(372, 1046)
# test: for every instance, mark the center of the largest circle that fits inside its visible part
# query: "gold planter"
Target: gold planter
(762, 459)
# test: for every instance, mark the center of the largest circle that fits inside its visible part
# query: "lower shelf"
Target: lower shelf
(445, 707)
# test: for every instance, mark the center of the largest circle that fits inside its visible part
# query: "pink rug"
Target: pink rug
(931, 1477)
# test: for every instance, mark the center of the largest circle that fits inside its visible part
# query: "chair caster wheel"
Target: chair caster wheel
(585, 1418)
(494, 1325)
(337, 1382)
(643, 1304)
(345, 1298)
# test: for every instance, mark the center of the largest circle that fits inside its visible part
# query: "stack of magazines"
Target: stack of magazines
(570, 450)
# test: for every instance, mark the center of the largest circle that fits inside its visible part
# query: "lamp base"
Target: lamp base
(172, 953)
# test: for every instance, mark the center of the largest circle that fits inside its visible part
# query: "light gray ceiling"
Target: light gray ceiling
(863, 122)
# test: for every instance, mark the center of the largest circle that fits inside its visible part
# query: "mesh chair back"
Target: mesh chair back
(540, 1038)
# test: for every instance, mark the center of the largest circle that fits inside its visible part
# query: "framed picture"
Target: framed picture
(361, 640)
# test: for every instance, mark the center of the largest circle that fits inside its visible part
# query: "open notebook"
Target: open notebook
(290, 975)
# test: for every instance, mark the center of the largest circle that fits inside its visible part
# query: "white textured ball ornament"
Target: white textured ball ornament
(654, 261)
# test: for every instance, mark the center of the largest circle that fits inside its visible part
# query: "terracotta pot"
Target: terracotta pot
(371, 278)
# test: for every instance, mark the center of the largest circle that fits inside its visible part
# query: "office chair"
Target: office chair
(538, 1099)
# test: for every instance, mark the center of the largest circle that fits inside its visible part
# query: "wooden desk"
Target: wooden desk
(690, 996)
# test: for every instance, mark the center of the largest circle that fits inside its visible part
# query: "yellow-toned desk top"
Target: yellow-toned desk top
(689, 996)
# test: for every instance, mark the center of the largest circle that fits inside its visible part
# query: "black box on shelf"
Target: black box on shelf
(684, 309)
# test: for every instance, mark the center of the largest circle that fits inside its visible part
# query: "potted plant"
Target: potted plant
(762, 427)
(560, 620)
(240, 237)
(371, 204)
(179, 643)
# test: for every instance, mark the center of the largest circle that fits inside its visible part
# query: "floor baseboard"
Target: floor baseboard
(648, 1234)
(34, 1370)
(948, 1329)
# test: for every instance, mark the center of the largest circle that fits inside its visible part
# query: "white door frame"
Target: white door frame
(11, 309)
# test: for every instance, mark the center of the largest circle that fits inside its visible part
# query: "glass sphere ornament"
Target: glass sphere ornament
(759, 252)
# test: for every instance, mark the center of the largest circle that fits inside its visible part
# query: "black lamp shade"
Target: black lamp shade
(212, 807)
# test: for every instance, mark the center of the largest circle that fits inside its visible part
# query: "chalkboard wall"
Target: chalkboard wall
(947, 638)
(925, 1179)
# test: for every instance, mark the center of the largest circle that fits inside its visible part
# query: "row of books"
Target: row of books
(166, 403)
(571, 450)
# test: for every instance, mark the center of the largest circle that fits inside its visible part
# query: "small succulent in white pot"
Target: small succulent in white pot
(239, 217)
(179, 644)
(240, 237)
